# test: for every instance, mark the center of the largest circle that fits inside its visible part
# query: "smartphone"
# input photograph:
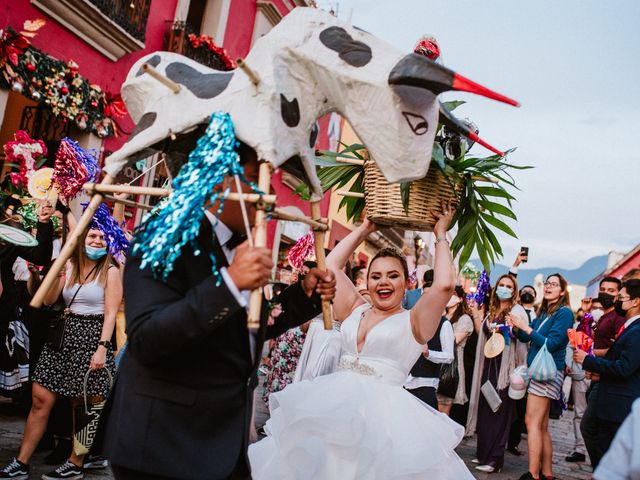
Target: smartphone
(524, 251)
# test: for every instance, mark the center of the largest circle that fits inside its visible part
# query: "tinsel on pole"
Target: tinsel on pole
(73, 168)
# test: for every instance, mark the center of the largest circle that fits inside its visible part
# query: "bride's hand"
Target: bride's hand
(444, 219)
(368, 226)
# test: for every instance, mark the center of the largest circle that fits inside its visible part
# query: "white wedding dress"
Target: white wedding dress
(359, 423)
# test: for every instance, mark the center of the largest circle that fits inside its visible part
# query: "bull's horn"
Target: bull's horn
(447, 119)
(418, 71)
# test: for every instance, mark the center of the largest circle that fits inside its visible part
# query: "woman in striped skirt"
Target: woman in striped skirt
(554, 318)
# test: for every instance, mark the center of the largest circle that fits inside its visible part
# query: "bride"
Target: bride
(359, 423)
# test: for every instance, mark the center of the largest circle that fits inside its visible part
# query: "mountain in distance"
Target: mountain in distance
(579, 276)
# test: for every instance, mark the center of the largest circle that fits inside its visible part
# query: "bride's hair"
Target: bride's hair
(389, 252)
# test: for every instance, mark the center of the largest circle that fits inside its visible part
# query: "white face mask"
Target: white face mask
(597, 314)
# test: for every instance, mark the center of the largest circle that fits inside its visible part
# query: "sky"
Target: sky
(574, 65)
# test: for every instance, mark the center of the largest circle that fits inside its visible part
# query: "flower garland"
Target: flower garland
(27, 70)
(205, 41)
(27, 154)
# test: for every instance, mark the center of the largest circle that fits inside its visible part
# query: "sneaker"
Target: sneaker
(95, 462)
(16, 470)
(488, 468)
(67, 470)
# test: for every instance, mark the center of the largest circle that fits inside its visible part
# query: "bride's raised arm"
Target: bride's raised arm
(426, 313)
(347, 297)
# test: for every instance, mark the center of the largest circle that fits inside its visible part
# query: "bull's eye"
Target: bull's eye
(417, 123)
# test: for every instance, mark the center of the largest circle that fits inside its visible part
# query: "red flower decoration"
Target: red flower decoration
(12, 45)
(114, 105)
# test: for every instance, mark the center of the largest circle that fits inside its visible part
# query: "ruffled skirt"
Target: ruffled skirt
(352, 426)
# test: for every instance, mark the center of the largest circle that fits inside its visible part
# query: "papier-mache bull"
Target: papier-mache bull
(310, 64)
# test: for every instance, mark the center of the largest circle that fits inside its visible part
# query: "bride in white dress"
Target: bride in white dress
(359, 423)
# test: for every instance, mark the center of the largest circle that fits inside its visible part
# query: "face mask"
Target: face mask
(619, 310)
(453, 301)
(504, 293)
(527, 297)
(94, 253)
(606, 300)
(597, 314)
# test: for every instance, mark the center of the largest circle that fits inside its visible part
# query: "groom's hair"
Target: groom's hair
(389, 252)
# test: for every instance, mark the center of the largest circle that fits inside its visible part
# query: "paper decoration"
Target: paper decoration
(310, 64)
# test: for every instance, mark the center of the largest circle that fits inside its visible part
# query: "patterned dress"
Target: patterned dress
(282, 361)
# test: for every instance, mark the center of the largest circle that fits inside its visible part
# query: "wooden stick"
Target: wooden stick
(170, 84)
(344, 193)
(260, 240)
(480, 178)
(281, 214)
(69, 246)
(350, 161)
(253, 76)
(129, 203)
(164, 192)
(243, 209)
(318, 237)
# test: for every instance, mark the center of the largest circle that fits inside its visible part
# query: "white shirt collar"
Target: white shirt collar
(630, 321)
(222, 232)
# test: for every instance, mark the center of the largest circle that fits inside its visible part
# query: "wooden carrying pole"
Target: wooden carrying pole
(69, 246)
(260, 240)
(164, 192)
(318, 237)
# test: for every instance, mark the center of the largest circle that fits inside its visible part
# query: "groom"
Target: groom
(182, 402)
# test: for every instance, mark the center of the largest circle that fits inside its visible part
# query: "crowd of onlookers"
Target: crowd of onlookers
(503, 365)
(54, 356)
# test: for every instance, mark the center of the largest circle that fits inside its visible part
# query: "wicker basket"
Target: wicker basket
(384, 200)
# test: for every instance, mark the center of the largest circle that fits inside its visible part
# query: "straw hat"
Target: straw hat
(494, 346)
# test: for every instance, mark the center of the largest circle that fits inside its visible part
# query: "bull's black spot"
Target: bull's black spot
(290, 111)
(354, 52)
(314, 135)
(417, 123)
(153, 61)
(145, 122)
(295, 167)
(202, 85)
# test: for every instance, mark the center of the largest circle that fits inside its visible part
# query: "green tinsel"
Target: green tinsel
(30, 217)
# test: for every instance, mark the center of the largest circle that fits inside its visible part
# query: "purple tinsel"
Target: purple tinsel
(116, 240)
(481, 290)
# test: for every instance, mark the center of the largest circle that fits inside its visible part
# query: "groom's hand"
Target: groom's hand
(323, 282)
(251, 267)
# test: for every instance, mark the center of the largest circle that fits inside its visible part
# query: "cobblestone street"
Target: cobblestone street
(11, 428)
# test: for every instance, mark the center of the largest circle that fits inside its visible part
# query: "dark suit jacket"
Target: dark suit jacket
(619, 373)
(182, 401)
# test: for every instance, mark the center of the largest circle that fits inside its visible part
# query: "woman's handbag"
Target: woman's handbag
(449, 378)
(543, 367)
(58, 324)
(86, 418)
(55, 334)
(491, 396)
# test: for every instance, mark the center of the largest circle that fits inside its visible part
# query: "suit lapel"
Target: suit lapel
(626, 331)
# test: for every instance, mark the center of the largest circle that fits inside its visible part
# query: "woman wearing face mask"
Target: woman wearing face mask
(91, 286)
(458, 314)
(359, 422)
(493, 366)
(554, 319)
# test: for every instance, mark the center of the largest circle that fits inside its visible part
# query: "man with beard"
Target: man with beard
(604, 334)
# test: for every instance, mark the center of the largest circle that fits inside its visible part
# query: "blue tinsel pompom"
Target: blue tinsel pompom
(176, 222)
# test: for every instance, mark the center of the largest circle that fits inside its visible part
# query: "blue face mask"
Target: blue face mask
(94, 253)
(504, 293)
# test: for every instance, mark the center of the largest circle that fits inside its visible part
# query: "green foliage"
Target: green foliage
(483, 204)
